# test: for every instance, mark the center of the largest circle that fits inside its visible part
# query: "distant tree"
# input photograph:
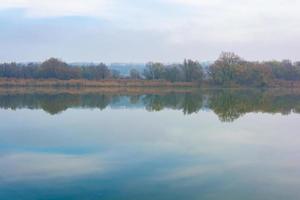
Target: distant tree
(222, 71)
(115, 74)
(154, 71)
(55, 68)
(252, 74)
(228, 70)
(10, 70)
(135, 74)
(31, 70)
(192, 71)
(96, 72)
(173, 73)
(102, 71)
(297, 66)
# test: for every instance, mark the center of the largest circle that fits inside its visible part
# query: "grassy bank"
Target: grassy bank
(8, 82)
(127, 83)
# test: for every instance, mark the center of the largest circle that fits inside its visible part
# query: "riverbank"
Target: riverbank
(8, 82)
(126, 83)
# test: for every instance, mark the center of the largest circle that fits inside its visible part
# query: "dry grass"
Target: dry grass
(92, 83)
(122, 83)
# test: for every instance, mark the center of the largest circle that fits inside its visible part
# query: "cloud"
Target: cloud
(195, 2)
(250, 28)
(242, 20)
(28, 166)
(216, 20)
(58, 8)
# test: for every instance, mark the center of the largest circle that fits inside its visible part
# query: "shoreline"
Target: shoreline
(126, 83)
(11, 82)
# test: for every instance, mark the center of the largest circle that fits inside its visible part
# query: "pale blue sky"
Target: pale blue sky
(144, 30)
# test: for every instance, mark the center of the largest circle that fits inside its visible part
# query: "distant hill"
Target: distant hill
(124, 68)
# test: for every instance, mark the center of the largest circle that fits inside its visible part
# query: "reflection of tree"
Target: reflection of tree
(227, 104)
(284, 104)
(134, 99)
(100, 101)
(232, 104)
(55, 104)
(192, 103)
(153, 102)
(52, 104)
(188, 102)
(225, 109)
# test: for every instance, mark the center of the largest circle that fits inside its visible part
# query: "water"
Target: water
(149, 144)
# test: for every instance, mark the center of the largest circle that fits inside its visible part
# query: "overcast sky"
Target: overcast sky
(144, 30)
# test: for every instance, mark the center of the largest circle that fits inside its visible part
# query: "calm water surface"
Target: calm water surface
(208, 145)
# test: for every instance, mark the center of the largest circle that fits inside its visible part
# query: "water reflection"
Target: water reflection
(165, 145)
(229, 105)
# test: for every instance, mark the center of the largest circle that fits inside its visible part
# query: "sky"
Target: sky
(148, 30)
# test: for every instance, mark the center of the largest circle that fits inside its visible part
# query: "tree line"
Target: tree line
(227, 70)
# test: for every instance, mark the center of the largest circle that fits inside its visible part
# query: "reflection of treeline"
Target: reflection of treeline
(228, 70)
(230, 105)
(56, 103)
(227, 104)
(187, 102)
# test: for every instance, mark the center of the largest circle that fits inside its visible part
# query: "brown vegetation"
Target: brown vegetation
(10, 82)
(125, 83)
